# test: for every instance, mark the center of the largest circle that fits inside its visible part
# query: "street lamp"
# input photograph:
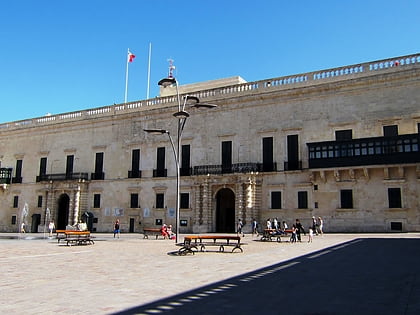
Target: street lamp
(181, 115)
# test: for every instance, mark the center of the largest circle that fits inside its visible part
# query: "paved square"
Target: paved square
(40, 276)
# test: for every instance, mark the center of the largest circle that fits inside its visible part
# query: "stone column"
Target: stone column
(198, 209)
(207, 213)
(76, 203)
(240, 203)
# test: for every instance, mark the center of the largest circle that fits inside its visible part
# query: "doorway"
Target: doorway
(36, 221)
(63, 212)
(131, 226)
(225, 211)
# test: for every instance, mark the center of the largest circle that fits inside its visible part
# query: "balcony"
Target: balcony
(97, 176)
(17, 180)
(61, 177)
(160, 172)
(185, 171)
(134, 174)
(365, 151)
(234, 168)
(5, 175)
(292, 165)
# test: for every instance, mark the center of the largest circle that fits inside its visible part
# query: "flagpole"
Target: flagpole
(126, 77)
(148, 71)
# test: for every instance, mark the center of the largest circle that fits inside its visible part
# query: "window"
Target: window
(39, 201)
(160, 158)
(18, 173)
(96, 200)
(69, 166)
(15, 201)
(226, 156)
(135, 163)
(14, 219)
(394, 197)
(99, 165)
(185, 160)
(185, 200)
(346, 197)
(160, 200)
(302, 199)
(160, 163)
(292, 153)
(341, 135)
(267, 154)
(43, 166)
(134, 200)
(276, 200)
(390, 131)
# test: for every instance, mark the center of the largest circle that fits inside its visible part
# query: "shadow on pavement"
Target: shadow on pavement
(364, 276)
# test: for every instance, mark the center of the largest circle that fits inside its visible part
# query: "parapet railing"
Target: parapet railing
(335, 74)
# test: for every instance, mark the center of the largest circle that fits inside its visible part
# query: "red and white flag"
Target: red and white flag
(131, 56)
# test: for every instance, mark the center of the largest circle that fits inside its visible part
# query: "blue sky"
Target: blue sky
(68, 55)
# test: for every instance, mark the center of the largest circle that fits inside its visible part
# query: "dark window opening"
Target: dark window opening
(390, 131)
(185, 201)
(302, 199)
(292, 153)
(39, 202)
(185, 160)
(134, 200)
(346, 197)
(341, 135)
(69, 166)
(276, 200)
(96, 200)
(394, 198)
(15, 201)
(160, 201)
(226, 156)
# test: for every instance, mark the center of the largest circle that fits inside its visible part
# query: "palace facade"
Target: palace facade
(342, 144)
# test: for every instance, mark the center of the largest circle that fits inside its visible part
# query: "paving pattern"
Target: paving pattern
(40, 276)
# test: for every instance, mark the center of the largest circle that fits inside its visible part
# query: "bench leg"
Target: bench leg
(185, 250)
(238, 247)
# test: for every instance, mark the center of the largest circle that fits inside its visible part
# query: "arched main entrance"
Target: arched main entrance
(63, 212)
(225, 211)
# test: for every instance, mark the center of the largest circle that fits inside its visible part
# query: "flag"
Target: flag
(131, 56)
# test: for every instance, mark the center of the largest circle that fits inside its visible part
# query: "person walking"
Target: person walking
(314, 226)
(51, 227)
(255, 227)
(239, 228)
(299, 230)
(320, 225)
(117, 228)
(311, 235)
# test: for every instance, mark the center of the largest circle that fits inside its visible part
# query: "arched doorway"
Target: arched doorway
(225, 211)
(63, 212)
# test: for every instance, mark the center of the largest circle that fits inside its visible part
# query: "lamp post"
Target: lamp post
(181, 115)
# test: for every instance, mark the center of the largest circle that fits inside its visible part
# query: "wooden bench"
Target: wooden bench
(151, 231)
(74, 237)
(275, 235)
(193, 243)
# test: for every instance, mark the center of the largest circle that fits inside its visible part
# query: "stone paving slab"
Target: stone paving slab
(40, 276)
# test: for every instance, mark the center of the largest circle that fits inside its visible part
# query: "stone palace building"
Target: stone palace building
(341, 143)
